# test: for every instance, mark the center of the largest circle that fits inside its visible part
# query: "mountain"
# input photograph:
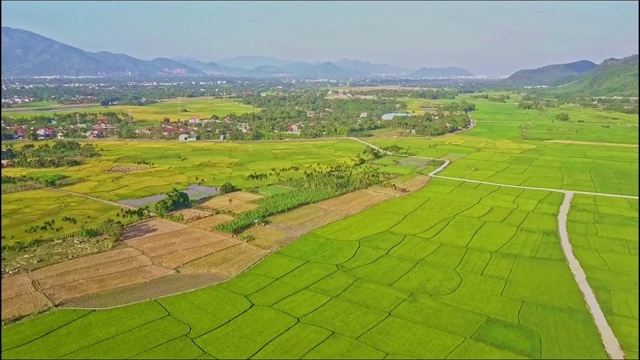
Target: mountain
(550, 75)
(613, 77)
(434, 73)
(209, 68)
(365, 66)
(25, 54)
(252, 62)
(305, 70)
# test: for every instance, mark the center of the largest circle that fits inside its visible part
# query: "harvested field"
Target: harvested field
(240, 202)
(126, 169)
(268, 237)
(177, 240)
(25, 304)
(209, 222)
(167, 285)
(19, 297)
(190, 214)
(353, 202)
(82, 263)
(178, 258)
(227, 262)
(403, 187)
(113, 280)
(150, 227)
(304, 219)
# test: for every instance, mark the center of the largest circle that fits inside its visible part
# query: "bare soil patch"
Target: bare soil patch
(299, 221)
(151, 227)
(268, 237)
(105, 282)
(152, 289)
(127, 168)
(353, 202)
(178, 240)
(236, 202)
(178, 258)
(228, 262)
(190, 214)
(209, 222)
(25, 304)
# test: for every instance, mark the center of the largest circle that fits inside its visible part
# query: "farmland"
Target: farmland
(604, 234)
(202, 108)
(181, 164)
(482, 275)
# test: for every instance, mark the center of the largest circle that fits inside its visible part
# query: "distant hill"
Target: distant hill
(209, 68)
(302, 69)
(365, 66)
(613, 77)
(550, 75)
(252, 62)
(26, 54)
(434, 73)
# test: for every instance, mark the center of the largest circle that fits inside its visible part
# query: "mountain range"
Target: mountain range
(27, 54)
(550, 75)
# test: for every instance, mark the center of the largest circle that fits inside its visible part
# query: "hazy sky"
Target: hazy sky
(483, 37)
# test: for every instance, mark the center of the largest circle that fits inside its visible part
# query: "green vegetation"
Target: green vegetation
(604, 235)
(174, 200)
(61, 154)
(396, 280)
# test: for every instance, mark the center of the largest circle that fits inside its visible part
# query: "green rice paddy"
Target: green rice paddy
(454, 270)
(604, 235)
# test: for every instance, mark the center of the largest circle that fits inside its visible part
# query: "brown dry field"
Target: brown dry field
(165, 286)
(126, 168)
(151, 227)
(228, 262)
(300, 221)
(178, 258)
(353, 202)
(20, 298)
(240, 201)
(114, 280)
(176, 241)
(190, 214)
(209, 222)
(268, 237)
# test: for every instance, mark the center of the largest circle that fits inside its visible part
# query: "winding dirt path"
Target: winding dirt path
(611, 344)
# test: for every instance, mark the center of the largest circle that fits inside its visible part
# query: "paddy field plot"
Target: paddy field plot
(394, 280)
(579, 167)
(179, 165)
(26, 209)
(201, 108)
(604, 236)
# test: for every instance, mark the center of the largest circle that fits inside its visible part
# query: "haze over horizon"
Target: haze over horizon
(490, 38)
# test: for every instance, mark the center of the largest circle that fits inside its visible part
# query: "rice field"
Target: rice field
(455, 270)
(580, 167)
(22, 210)
(201, 108)
(182, 164)
(604, 235)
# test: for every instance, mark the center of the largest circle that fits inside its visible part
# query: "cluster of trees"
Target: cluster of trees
(61, 154)
(173, 201)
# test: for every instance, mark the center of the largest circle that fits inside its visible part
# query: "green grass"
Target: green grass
(607, 247)
(28, 208)
(202, 108)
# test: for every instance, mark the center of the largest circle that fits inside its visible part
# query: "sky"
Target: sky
(488, 38)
